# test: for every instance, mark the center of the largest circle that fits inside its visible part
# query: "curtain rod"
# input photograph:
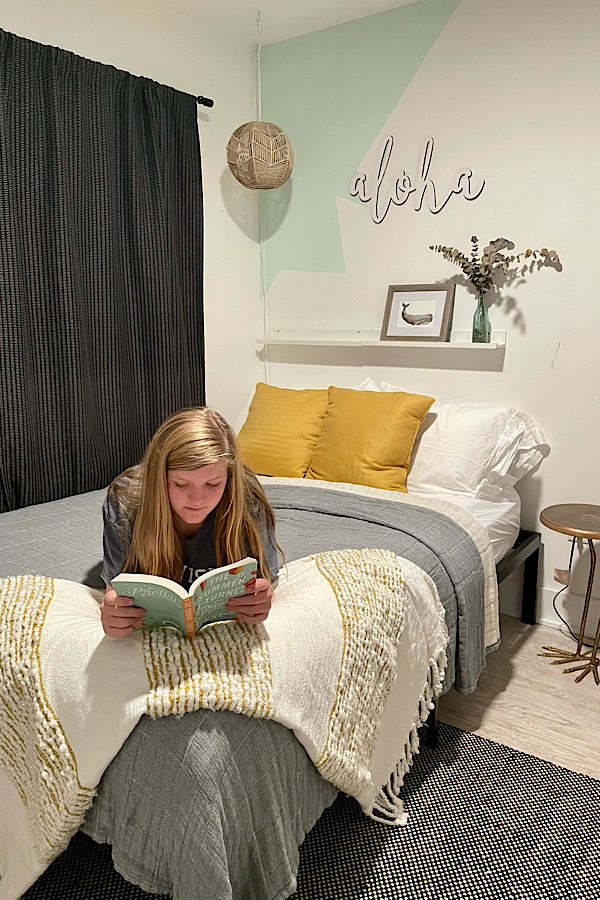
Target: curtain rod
(203, 101)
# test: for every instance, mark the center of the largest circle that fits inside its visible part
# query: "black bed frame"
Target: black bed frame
(526, 550)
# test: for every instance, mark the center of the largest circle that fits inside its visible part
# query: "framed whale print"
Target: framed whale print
(418, 312)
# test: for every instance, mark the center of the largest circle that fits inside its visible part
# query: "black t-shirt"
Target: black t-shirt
(198, 552)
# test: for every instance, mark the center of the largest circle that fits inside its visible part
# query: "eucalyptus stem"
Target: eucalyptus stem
(481, 270)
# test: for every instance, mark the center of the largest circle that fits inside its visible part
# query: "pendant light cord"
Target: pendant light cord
(258, 49)
(261, 230)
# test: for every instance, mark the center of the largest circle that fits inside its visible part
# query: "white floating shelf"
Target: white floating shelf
(459, 340)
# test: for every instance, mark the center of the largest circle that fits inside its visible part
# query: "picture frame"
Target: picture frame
(429, 306)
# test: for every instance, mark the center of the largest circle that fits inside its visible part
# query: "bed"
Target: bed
(215, 804)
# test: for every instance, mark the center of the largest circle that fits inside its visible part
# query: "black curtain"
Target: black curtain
(101, 319)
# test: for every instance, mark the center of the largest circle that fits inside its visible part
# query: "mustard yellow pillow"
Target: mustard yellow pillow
(367, 437)
(280, 433)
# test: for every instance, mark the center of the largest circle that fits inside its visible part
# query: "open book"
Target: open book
(167, 603)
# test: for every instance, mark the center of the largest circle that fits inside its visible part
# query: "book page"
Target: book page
(217, 586)
(162, 604)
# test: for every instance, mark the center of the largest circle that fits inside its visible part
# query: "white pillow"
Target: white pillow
(243, 415)
(473, 448)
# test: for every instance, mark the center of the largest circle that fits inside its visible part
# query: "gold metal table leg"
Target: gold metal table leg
(593, 661)
(589, 660)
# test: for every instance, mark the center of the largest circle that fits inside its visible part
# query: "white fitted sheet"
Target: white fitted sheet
(501, 518)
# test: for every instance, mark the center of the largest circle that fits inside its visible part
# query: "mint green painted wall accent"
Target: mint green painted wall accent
(331, 92)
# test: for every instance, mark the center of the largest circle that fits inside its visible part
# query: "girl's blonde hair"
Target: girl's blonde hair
(189, 439)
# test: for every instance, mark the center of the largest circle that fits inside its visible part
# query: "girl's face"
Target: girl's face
(194, 493)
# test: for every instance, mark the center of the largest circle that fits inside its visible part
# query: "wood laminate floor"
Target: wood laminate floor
(524, 702)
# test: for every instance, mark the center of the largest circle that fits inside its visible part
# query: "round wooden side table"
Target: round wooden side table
(579, 520)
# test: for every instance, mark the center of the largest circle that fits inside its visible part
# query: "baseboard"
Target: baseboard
(569, 605)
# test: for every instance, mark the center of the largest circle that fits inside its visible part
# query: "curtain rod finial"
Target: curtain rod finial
(205, 101)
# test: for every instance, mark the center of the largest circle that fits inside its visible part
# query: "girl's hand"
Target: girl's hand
(118, 614)
(255, 605)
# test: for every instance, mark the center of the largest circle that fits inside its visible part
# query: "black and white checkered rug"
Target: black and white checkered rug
(485, 822)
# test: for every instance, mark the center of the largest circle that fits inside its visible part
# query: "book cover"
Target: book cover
(168, 604)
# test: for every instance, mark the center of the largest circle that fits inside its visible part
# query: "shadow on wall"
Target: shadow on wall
(437, 356)
(569, 600)
(273, 206)
(578, 582)
(498, 295)
(517, 277)
(529, 489)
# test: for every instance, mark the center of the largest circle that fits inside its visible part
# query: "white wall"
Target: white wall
(510, 90)
(142, 37)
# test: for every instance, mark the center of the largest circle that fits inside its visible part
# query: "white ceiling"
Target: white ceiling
(279, 19)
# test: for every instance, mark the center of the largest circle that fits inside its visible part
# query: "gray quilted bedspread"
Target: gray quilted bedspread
(62, 539)
(214, 806)
(314, 520)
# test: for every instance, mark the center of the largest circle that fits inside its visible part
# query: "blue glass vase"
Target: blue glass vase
(482, 329)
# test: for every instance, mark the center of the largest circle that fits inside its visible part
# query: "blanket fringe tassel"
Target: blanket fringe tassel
(388, 806)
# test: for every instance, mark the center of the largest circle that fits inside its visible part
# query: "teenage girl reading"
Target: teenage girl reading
(191, 505)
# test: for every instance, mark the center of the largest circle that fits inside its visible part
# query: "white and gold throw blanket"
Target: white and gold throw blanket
(349, 659)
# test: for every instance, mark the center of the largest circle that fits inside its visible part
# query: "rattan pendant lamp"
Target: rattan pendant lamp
(259, 154)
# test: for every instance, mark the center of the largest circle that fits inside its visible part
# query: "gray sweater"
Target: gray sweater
(198, 552)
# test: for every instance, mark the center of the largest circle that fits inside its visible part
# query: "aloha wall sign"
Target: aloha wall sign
(381, 191)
